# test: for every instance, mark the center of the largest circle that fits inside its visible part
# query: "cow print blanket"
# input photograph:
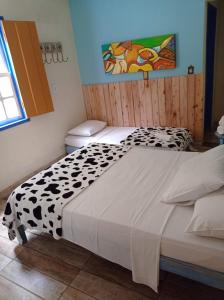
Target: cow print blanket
(38, 203)
(161, 137)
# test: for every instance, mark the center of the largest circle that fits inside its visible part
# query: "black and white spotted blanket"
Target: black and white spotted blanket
(161, 137)
(38, 203)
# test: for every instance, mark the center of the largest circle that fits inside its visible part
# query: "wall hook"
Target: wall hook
(54, 50)
(46, 59)
(59, 51)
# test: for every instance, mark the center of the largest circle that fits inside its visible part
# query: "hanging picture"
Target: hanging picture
(148, 54)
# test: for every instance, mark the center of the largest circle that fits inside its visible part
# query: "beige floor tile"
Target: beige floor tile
(4, 260)
(113, 272)
(73, 294)
(75, 256)
(50, 266)
(102, 289)
(9, 248)
(33, 281)
(11, 291)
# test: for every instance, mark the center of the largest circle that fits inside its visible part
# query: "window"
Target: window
(11, 108)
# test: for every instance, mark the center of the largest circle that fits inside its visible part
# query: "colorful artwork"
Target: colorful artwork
(149, 54)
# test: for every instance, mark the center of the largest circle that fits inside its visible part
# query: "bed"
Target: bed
(109, 135)
(121, 218)
(167, 138)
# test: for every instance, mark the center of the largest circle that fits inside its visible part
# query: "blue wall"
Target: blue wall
(97, 22)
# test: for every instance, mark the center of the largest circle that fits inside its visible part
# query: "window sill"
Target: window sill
(13, 124)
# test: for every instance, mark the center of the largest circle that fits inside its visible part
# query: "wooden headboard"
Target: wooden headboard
(172, 101)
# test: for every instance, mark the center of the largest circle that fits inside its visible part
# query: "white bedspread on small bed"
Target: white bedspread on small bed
(109, 135)
(120, 217)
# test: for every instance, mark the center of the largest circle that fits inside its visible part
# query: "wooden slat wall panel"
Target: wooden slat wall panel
(175, 102)
(191, 102)
(183, 102)
(168, 96)
(162, 102)
(107, 104)
(199, 107)
(172, 101)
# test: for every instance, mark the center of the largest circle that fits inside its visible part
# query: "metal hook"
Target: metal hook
(59, 51)
(52, 51)
(46, 59)
(55, 61)
(45, 50)
(60, 61)
(64, 60)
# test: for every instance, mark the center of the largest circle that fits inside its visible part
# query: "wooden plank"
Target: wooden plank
(199, 120)
(131, 115)
(175, 102)
(39, 68)
(183, 102)
(86, 102)
(107, 104)
(112, 93)
(155, 102)
(95, 102)
(102, 103)
(162, 102)
(100, 109)
(124, 102)
(92, 101)
(148, 102)
(143, 102)
(136, 101)
(118, 104)
(168, 96)
(190, 99)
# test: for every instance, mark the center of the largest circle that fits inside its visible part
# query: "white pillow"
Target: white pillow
(208, 216)
(88, 128)
(197, 177)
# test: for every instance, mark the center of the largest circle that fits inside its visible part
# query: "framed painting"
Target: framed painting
(141, 55)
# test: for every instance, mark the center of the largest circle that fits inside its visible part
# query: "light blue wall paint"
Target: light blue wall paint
(97, 22)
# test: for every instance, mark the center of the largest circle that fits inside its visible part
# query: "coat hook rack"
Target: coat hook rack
(52, 52)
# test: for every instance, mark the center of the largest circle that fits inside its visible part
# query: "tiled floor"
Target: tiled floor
(48, 269)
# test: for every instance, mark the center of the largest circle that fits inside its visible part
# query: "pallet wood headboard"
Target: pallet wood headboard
(172, 101)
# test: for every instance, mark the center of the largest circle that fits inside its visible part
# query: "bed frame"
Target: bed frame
(196, 273)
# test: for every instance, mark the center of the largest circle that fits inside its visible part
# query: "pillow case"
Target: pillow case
(208, 216)
(197, 177)
(88, 128)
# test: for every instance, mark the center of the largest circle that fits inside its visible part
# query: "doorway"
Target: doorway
(210, 64)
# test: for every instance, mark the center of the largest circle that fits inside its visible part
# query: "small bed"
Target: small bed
(108, 135)
(166, 138)
(120, 216)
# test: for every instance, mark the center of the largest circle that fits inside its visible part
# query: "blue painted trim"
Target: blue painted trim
(196, 273)
(16, 123)
(23, 118)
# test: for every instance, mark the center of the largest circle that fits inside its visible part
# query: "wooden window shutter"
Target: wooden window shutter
(24, 46)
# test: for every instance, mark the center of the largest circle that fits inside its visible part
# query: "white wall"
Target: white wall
(29, 146)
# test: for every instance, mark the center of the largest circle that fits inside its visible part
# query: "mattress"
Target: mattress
(102, 217)
(109, 135)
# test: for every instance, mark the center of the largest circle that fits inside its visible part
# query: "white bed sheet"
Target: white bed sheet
(102, 217)
(109, 135)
